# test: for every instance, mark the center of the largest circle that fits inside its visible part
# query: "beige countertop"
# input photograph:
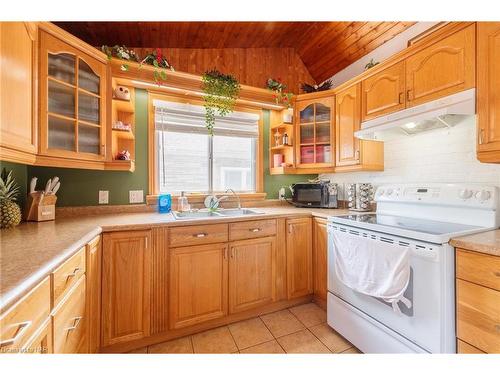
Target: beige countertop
(485, 242)
(31, 251)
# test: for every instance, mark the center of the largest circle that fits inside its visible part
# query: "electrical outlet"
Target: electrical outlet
(136, 196)
(103, 196)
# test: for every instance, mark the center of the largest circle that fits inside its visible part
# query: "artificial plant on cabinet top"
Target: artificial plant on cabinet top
(220, 94)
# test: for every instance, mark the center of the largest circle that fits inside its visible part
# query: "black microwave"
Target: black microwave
(315, 194)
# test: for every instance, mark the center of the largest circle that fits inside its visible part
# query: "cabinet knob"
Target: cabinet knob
(74, 273)
(200, 235)
(481, 136)
(255, 230)
(21, 330)
(409, 95)
(76, 322)
(401, 97)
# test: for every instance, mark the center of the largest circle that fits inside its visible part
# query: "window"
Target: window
(188, 159)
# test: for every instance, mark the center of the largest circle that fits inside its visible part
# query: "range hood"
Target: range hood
(440, 113)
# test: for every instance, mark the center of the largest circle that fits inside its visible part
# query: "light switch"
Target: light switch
(136, 196)
(103, 196)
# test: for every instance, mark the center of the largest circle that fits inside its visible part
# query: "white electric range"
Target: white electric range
(422, 217)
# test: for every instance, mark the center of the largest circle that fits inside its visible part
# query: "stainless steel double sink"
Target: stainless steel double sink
(204, 214)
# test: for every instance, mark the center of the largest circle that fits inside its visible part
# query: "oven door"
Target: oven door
(430, 322)
(309, 195)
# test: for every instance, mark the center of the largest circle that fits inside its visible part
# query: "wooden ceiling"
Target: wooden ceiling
(324, 47)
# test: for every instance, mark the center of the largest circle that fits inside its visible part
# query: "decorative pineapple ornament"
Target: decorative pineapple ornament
(10, 212)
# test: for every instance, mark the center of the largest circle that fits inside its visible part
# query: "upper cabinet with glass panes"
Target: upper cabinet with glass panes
(314, 133)
(72, 101)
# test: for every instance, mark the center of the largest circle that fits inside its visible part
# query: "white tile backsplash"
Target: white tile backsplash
(444, 155)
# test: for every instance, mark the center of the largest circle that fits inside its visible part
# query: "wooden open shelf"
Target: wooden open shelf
(121, 139)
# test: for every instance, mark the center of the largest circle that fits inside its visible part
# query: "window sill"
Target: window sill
(200, 198)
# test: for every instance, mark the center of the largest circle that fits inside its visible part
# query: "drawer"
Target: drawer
(66, 275)
(198, 235)
(478, 316)
(478, 268)
(252, 229)
(464, 348)
(20, 322)
(41, 342)
(69, 321)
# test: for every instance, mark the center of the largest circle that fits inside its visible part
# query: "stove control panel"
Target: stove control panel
(441, 194)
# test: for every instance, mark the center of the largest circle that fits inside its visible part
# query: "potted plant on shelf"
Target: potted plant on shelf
(155, 59)
(220, 94)
(280, 96)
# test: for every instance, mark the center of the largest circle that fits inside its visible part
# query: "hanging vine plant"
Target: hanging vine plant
(221, 91)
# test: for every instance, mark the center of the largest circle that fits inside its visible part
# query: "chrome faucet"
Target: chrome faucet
(237, 197)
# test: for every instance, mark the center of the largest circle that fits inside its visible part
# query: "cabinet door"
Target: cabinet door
(198, 284)
(17, 95)
(383, 92)
(488, 90)
(320, 262)
(252, 273)
(314, 127)
(93, 270)
(299, 257)
(126, 286)
(444, 68)
(347, 122)
(72, 101)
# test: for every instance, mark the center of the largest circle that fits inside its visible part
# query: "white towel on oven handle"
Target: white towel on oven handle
(375, 268)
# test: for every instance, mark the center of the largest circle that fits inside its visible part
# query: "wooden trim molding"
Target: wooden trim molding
(187, 84)
(152, 162)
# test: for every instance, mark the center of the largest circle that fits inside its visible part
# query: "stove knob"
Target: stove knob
(465, 194)
(483, 195)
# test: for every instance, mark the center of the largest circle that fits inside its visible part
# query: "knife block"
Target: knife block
(41, 207)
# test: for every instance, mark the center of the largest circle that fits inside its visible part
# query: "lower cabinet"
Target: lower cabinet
(320, 259)
(252, 273)
(126, 286)
(69, 322)
(41, 342)
(299, 257)
(198, 284)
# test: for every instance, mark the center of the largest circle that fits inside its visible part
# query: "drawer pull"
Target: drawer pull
(74, 273)
(255, 230)
(200, 235)
(78, 319)
(21, 330)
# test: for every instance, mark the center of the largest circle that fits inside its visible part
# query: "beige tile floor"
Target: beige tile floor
(300, 329)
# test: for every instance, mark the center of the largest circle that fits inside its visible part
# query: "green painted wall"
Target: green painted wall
(80, 187)
(20, 173)
(272, 183)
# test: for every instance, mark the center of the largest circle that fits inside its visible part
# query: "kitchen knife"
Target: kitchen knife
(54, 182)
(47, 186)
(55, 189)
(33, 185)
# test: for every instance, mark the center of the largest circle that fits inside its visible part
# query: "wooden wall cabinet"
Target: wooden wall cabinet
(352, 153)
(314, 134)
(252, 273)
(18, 59)
(72, 101)
(320, 260)
(94, 274)
(198, 284)
(126, 286)
(299, 257)
(383, 92)
(488, 91)
(443, 68)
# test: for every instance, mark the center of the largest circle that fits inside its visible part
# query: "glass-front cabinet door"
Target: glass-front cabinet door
(314, 126)
(72, 101)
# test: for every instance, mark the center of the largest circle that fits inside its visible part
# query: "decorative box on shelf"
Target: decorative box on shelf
(41, 207)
